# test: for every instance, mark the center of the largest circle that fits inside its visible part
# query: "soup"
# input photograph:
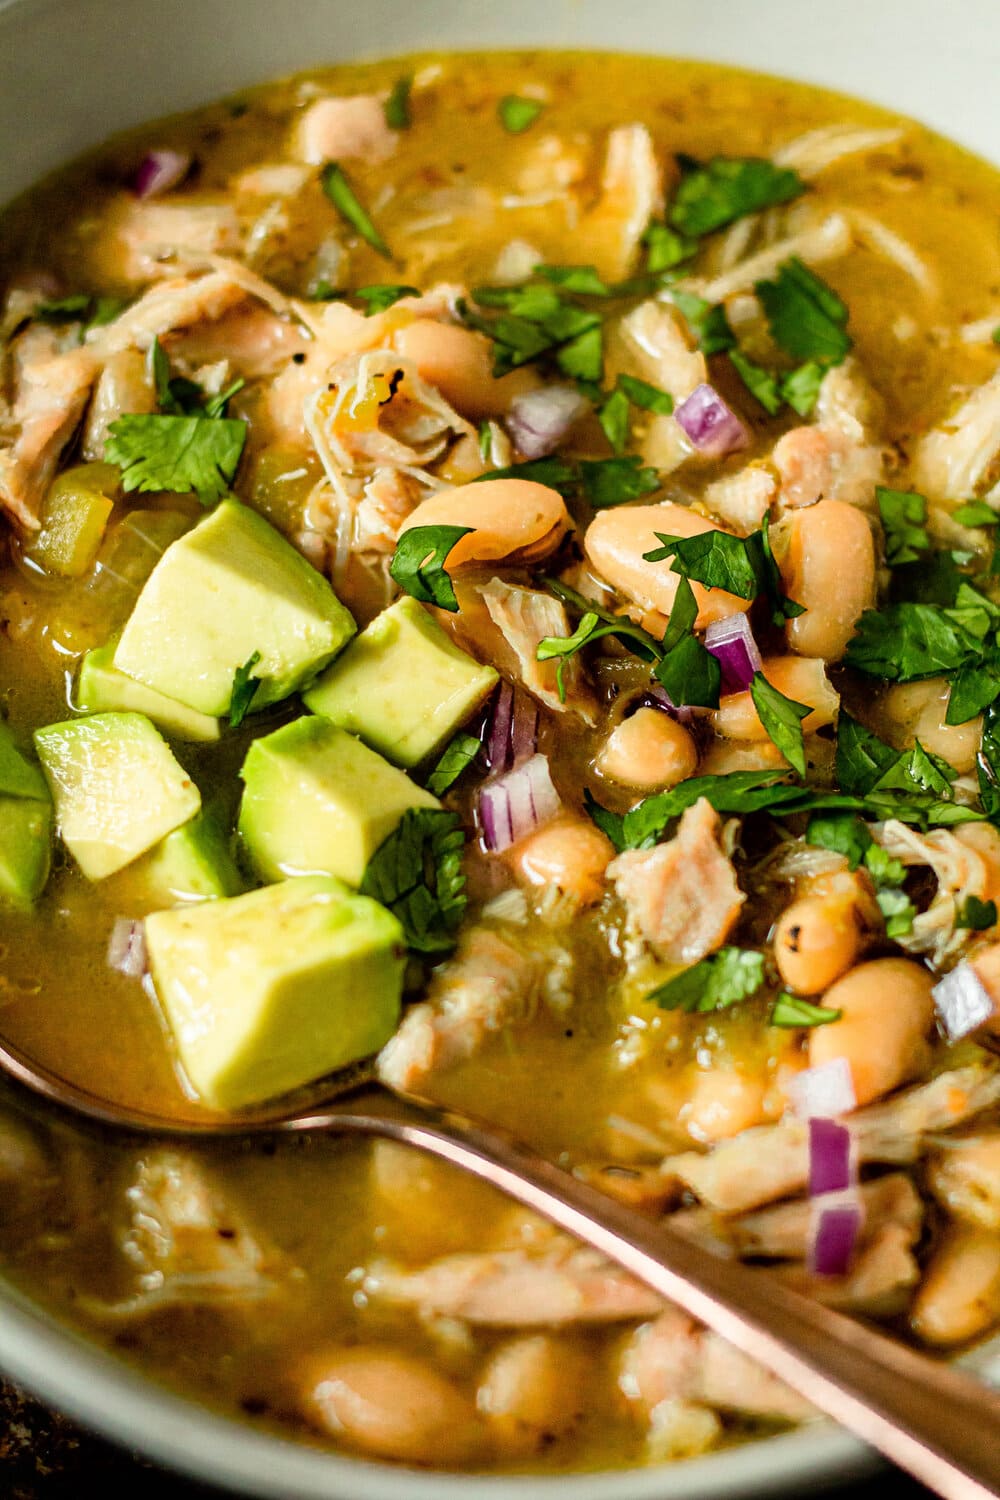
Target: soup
(499, 579)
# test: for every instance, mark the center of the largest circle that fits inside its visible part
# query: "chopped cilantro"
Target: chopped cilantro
(485, 438)
(728, 188)
(988, 764)
(377, 298)
(842, 833)
(904, 514)
(792, 1011)
(782, 720)
(71, 309)
(177, 396)
(590, 629)
(729, 976)
(613, 415)
(800, 387)
(245, 686)
(973, 689)
(177, 453)
(517, 113)
(648, 397)
(708, 323)
(555, 472)
(975, 915)
(418, 564)
(976, 513)
(666, 249)
(397, 106)
(582, 358)
(758, 381)
(898, 911)
(417, 874)
(325, 291)
(457, 757)
(344, 199)
(688, 671)
(582, 280)
(715, 559)
(537, 320)
(613, 481)
(639, 641)
(782, 608)
(737, 792)
(906, 642)
(806, 317)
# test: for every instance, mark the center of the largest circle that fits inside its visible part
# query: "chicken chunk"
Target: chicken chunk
(348, 129)
(523, 618)
(51, 391)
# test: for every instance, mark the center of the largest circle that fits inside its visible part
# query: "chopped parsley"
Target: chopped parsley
(976, 513)
(806, 317)
(397, 106)
(782, 720)
(688, 671)
(647, 397)
(180, 454)
(906, 642)
(666, 249)
(904, 517)
(457, 757)
(583, 280)
(344, 199)
(418, 564)
(245, 686)
(613, 415)
(562, 647)
(377, 298)
(792, 1011)
(728, 188)
(614, 481)
(517, 113)
(79, 307)
(417, 874)
(761, 383)
(715, 559)
(729, 976)
(708, 323)
(975, 915)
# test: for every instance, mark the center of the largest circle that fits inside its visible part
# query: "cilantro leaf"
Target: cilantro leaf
(178, 454)
(729, 976)
(397, 106)
(417, 874)
(582, 357)
(842, 833)
(898, 911)
(988, 764)
(976, 513)
(517, 113)
(975, 915)
(613, 481)
(639, 641)
(550, 647)
(782, 608)
(554, 472)
(792, 1011)
(418, 564)
(800, 387)
(708, 323)
(903, 515)
(245, 686)
(737, 792)
(758, 381)
(806, 317)
(535, 321)
(666, 249)
(457, 757)
(973, 689)
(179, 397)
(382, 295)
(688, 670)
(782, 720)
(613, 415)
(715, 559)
(728, 188)
(906, 642)
(862, 758)
(610, 823)
(648, 397)
(583, 280)
(338, 189)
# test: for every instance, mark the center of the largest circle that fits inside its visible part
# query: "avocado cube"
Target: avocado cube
(25, 824)
(101, 688)
(227, 589)
(193, 863)
(318, 800)
(75, 512)
(271, 990)
(116, 786)
(402, 685)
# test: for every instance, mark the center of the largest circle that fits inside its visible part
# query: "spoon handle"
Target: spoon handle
(932, 1420)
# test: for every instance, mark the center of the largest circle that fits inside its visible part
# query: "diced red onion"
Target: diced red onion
(510, 735)
(713, 427)
(836, 1225)
(160, 171)
(824, 1091)
(963, 1002)
(127, 948)
(539, 420)
(658, 697)
(832, 1166)
(732, 643)
(514, 805)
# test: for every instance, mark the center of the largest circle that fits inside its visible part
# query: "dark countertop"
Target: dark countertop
(45, 1457)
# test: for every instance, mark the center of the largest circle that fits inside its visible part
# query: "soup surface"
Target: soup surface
(645, 417)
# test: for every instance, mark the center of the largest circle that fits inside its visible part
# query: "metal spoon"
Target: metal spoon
(930, 1419)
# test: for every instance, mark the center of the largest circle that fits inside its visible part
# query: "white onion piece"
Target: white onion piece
(713, 427)
(731, 642)
(834, 1230)
(826, 1090)
(159, 171)
(832, 1162)
(539, 420)
(963, 1002)
(127, 948)
(515, 805)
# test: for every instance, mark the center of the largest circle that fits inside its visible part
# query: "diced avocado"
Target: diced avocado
(191, 864)
(74, 516)
(25, 824)
(116, 786)
(101, 688)
(402, 685)
(231, 587)
(317, 800)
(271, 990)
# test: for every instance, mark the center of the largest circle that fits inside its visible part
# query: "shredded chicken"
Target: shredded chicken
(878, 1284)
(682, 897)
(524, 617)
(827, 240)
(347, 129)
(958, 458)
(817, 150)
(516, 1288)
(965, 862)
(152, 235)
(165, 307)
(631, 196)
(51, 391)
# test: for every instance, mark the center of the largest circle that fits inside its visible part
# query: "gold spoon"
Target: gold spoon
(930, 1419)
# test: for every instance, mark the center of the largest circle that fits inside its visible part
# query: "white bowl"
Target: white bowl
(74, 71)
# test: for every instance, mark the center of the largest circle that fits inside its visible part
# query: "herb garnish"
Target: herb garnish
(688, 671)
(709, 323)
(457, 757)
(418, 564)
(382, 295)
(806, 317)
(782, 720)
(904, 514)
(715, 983)
(245, 686)
(517, 113)
(344, 199)
(417, 874)
(792, 1011)
(178, 454)
(666, 249)
(397, 106)
(603, 482)
(728, 188)
(562, 647)
(81, 307)
(976, 915)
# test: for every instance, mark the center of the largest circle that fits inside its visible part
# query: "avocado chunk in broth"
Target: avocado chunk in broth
(547, 567)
